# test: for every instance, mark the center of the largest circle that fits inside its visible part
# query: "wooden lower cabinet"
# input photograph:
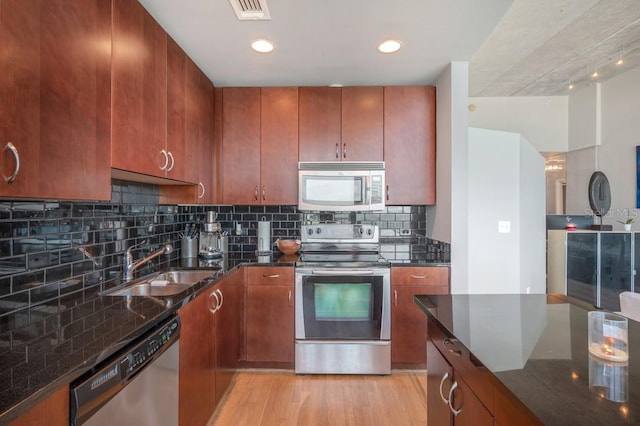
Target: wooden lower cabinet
(210, 340)
(269, 315)
(53, 411)
(408, 323)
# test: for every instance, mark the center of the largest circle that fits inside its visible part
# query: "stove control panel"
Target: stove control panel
(336, 232)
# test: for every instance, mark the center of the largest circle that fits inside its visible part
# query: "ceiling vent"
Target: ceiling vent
(251, 10)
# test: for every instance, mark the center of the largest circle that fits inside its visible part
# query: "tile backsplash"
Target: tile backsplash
(49, 249)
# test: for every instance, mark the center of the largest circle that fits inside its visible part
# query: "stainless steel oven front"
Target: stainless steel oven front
(342, 320)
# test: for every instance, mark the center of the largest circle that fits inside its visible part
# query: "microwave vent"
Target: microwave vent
(341, 165)
(251, 10)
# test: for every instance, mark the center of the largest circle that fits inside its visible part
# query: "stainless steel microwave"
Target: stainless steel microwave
(341, 186)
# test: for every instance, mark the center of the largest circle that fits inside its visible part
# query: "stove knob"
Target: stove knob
(318, 230)
(310, 231)
(369, 232)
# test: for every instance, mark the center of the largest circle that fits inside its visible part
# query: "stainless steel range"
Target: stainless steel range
(342, 309)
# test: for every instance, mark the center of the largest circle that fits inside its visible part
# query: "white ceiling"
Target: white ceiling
(528, 48)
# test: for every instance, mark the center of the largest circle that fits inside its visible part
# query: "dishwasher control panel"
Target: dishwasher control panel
(141, 354)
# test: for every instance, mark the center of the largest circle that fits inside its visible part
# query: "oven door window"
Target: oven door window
(344, 307)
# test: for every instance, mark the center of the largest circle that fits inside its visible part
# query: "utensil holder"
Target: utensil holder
(188, 248)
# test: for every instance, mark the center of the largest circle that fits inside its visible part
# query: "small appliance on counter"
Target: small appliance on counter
(211, 246)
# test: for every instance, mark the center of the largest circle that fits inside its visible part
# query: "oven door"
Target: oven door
(339, 304)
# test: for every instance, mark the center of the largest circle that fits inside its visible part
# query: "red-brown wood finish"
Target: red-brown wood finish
(438, 412)
(279, 145)
(408, 322)
(320, 121)
(52, 411)
(139, 95)
(362, 123)
(177, 112)
(55, 98)
(229, 331)
(269, 315)
(197, 361)
(241, 145)
(217, 145)
(472, 411)
(410, 144)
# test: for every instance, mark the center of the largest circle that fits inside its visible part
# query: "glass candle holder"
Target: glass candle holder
(608, 336)
(609, 380)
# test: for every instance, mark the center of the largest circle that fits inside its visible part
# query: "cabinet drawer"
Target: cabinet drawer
(429, 275)
(270, 275)
(465, 364)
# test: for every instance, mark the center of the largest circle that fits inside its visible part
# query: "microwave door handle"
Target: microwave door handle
(367, 191)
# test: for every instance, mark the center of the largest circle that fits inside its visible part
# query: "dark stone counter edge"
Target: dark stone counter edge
(10, 410)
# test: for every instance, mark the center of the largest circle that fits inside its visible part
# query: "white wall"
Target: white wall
(542, 120)
(604, 127)
(449, 217)
(506, 183)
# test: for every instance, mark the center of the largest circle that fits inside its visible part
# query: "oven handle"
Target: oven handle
(342, 272)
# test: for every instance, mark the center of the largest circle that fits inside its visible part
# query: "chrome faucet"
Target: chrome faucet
(130, 265)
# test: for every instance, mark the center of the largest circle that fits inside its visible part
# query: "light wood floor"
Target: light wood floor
(270, 398)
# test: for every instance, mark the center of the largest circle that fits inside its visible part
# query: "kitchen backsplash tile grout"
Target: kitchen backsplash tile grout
(50, 249)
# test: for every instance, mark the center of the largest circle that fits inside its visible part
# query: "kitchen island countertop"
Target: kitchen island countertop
(536, 347)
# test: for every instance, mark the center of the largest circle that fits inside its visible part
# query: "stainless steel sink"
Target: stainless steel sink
(164, 284)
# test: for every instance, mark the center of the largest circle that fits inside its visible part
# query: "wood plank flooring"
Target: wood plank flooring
(270, 398)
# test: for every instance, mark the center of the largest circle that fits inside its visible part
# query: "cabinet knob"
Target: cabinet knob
(344, 150)
(255, 193)
(219, 292)
(453, 410)
(444, 377)
(201, 194)
(214, 305)
(337, 151)
(12, 148)
(264, 193)
(173, 161)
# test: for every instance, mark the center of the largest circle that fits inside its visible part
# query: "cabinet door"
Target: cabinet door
(197, 361)
(241, 145)
(269, 316)
(362, 124)
(55, 409)
(470, 410)
(320, 137)
(408, 328)
(438, 386)
(410, 144)
(228, 331)
(55, 99)
(177, 128)
(139, 91)
(279, 145)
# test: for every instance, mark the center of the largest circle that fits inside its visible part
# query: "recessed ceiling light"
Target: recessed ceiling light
(390, 46)
(262, 46)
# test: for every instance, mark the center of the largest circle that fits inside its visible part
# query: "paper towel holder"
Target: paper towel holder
(264, 237)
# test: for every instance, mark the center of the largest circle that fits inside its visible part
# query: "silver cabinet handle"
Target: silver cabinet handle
(214, 307)
(453, 410)
(344, 150)
(12, 148)
(201, 194)
(337, 151)
(395, 296)
(264, 190)
(449, 342)
(166, 160)
(218, 291)
(173, 161)
(271, 276)
(255, 193)
(289, 298)
(445, 400)
(419, 277)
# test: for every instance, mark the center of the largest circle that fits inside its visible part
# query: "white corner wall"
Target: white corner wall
(505, 183)
(448, 219)
(542, 120)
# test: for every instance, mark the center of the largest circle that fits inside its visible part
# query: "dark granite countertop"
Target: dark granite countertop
(54, 343)
(536, 346)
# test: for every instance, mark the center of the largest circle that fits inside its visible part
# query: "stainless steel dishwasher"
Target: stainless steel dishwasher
(138, 386)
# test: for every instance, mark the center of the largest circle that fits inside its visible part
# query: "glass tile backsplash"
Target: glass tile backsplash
(51, 249)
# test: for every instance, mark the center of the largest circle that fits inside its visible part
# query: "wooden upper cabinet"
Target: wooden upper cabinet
(139, 103)
(320, 133)
(55, 99)
(202, 123)
(279, 145)
(362, 124)
(176, 140)
(410, 144)
(241, 145)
